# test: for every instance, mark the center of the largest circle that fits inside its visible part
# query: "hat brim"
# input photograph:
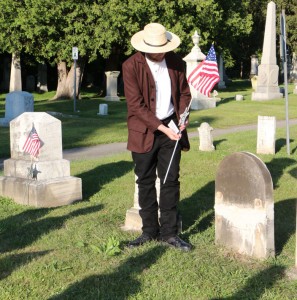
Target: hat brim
(137, 41)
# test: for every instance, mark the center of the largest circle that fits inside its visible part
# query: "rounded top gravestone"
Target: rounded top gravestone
(244, 180)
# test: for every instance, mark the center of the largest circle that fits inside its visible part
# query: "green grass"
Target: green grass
(86, 128)
(58, 253)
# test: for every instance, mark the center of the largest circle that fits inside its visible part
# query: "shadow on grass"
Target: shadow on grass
(277, 166)
(280, 143)
(218, 142)
(197, 211)
(258, 284)
(23, 229)
(120, 284)
(11, 262)
(284, 222)
(93, 180)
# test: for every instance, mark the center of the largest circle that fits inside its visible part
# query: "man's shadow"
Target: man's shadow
(23, 229)
(93, 180)
(120, 284)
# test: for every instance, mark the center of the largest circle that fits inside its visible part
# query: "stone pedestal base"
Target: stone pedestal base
(199, 104)
(112, 98)
(42, 193)
(133, 220)
(266, 96)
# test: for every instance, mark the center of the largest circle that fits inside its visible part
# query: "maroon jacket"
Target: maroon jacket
(140, 93)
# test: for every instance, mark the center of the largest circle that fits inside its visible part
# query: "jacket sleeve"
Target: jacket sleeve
(139, 112)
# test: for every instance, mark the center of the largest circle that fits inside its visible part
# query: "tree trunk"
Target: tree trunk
(66, 80)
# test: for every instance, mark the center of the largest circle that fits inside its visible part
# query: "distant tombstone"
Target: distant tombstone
(238, 97)
(244, 206)
(17, 103)
(221, 84)
(205, 137)
(15, 83)
(266, 135)
(43, 180)
(103, 109)
(254, 65)
(112, 85)
(30, 83)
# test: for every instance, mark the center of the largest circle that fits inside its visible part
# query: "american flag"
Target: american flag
(205, 76)
(33, 143)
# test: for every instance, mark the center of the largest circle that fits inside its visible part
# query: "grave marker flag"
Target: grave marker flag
(33, 143)
(206, 75)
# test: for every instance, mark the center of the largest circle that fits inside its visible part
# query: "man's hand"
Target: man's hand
(169, 132)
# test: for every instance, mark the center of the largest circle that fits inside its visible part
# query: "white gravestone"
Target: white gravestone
(17, 103)
(244, 206)
(112, 85)
(266, 135)
(44, 180)
(205, 137)
(103, 109)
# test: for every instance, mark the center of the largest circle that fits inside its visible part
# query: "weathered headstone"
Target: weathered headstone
(238, 97)
(267, 81)
(41, 180)
(112, 85)
(266, 135)
(254, 65)
(205, 137)
(244, 206)
(221, 84)
(17, 103)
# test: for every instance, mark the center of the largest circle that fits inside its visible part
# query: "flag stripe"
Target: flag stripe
(205, 76)
(33, 143)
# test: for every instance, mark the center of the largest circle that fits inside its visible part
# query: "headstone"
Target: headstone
(267, 81)
(42, 78)
(17, 103)
(112, 85)
(254, 65)
(15, 74)
(205, 137)
(199, 101)
(103, 109)
(266, 135)
(133, 220)
(42, 181)
(221, 84)
(244, 206)
(30, 83)
(238, 97)
(293, 68)
(254, 80)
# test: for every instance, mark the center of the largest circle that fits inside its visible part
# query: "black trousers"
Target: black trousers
(146, 165)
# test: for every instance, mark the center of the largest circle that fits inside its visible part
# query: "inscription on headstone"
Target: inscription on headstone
(244, 206)
(266, 135)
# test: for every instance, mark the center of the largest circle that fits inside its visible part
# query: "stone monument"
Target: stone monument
(266, 135)
(244, 206)
(267, 81)
(133, 220)
(41, 179)
(15, 83)
(195, 57)
(112, 85)
(15, 104)
(205, 137)
(221, 84)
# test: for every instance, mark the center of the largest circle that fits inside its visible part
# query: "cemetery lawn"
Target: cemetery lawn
(78, 251)
(86, 128)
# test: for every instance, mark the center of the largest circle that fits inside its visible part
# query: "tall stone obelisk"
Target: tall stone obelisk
(267, 81)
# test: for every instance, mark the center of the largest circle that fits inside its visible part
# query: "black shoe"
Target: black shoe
(178, 243)
(144, 238)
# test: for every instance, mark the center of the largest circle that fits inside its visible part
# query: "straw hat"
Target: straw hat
(155, 39)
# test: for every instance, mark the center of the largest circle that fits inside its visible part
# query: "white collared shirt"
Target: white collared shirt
(164, 106)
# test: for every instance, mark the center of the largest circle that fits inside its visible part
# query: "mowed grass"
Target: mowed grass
(59, 253)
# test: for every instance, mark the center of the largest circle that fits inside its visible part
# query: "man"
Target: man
(157, 92)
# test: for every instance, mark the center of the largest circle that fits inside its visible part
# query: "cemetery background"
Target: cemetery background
(59, 253)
